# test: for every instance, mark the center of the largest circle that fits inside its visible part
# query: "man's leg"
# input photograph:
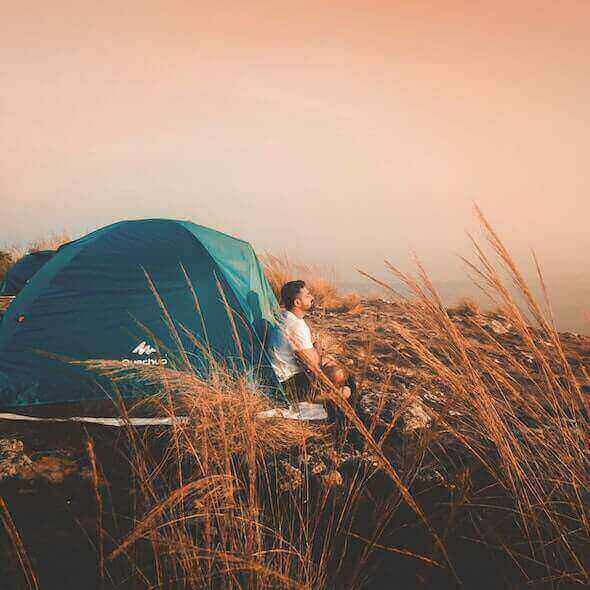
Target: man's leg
(298, 388)
(336, 416)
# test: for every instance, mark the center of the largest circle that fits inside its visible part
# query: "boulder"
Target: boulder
(13, 460)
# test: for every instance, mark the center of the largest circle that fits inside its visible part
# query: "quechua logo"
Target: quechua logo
(144, 349)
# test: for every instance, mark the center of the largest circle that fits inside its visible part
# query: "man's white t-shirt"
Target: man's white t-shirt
(292, 334)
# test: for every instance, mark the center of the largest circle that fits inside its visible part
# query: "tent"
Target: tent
(21, 271)
(107, 296)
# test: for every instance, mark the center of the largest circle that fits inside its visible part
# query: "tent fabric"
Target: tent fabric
(93, 300)
(23, 270)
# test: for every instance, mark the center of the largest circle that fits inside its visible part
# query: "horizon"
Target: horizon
(568, 293)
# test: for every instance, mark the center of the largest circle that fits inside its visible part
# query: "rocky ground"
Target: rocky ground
(46, 477)
(387, 368)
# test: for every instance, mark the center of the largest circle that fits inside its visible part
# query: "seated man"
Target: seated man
(295, 358)
(291, 348)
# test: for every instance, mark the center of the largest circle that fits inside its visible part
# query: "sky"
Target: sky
(342, 133)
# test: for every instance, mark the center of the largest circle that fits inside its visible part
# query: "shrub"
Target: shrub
(465, 306)
(280, 270)
(6, 262)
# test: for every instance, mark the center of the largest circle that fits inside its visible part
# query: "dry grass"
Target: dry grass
(217, 407)
(525, 424)
(209, 514)
(214, 511)
(6, 262)
(28, 572)
(51, 242)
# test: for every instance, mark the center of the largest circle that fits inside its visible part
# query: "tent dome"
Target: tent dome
(21, 271)
(107, 296)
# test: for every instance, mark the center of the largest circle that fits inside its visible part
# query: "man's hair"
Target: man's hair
(289, 292)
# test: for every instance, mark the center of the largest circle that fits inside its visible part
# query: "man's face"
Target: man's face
(304, 299)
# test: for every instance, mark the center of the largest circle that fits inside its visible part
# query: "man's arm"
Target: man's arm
(310, 358)
(304, 349)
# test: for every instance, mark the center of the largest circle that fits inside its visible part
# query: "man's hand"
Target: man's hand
(310, 359)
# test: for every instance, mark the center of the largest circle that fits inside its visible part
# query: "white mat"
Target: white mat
(105, 421)
(301, 411)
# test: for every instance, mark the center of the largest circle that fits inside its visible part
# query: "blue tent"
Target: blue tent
(93, 300)
(21, 271)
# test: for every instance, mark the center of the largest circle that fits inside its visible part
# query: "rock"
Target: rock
(332, 479)
(291, 478)
(416, 418)
(13, 460)
(384, 407)
(499, 328)
(53, 469)
(430, 475)
(318, 468)
(573, 335)
(16, 464)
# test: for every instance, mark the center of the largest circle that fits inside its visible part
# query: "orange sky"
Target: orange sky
(340, 131)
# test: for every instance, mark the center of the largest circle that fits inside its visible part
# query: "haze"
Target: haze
(340, 132)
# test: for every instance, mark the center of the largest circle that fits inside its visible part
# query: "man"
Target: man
(297, 360)
(294, 356)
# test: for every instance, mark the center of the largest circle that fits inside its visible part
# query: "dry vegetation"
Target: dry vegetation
(465, 306)
(281, 269)
(5, 263)
(496, 473)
